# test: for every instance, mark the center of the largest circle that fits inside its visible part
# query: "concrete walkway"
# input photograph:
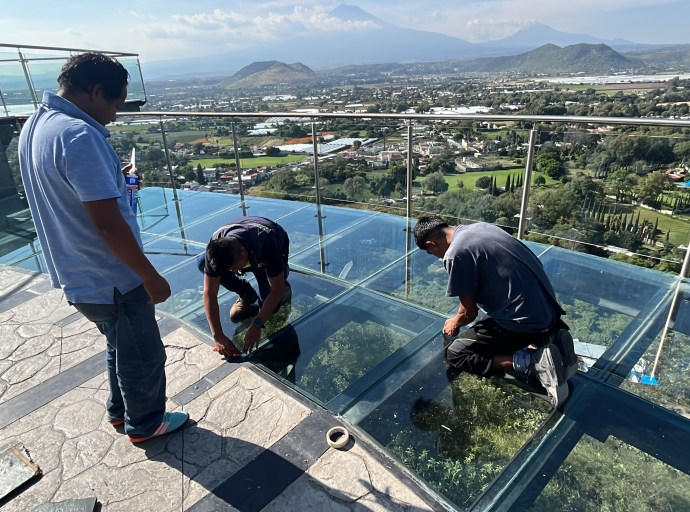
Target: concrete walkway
(254, 444)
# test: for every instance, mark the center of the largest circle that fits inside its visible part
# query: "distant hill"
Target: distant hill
(552, 59)
(259, 74)
(539, 34)
(676, 58)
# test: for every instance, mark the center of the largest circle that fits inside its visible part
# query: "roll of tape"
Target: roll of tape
(337, 437)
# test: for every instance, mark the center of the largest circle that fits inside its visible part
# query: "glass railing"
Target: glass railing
(27, 71)
(361, 335)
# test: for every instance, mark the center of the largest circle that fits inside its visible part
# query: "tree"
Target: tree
(357, 144)
(650, 188)
(381, 185)
(550, 164)
(272, 151)
(200, 178)
(283, 180)
(354, 187)
(539, 181)
(436, 183)
(483, 182)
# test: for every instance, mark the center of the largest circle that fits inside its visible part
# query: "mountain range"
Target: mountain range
(382, 42)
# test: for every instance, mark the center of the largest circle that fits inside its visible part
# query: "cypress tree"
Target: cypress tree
(656, 225)
(624, 223)
(508, 183)
(637, 221)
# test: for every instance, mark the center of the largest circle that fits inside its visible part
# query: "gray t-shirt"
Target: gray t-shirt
(505, 278)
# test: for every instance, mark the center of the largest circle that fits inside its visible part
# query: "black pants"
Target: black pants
(473, 351)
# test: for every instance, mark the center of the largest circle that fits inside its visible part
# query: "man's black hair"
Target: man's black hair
(428, 228)
(222, 253)
(85, 71)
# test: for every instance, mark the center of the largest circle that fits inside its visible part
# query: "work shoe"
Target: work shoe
(564, 341)
(242, 309)
(171, 422)
(547, 366)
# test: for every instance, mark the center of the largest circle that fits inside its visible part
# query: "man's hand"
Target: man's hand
(157, 288)
(251, 338)
(126, 169)
(225, 346)
(452, 326)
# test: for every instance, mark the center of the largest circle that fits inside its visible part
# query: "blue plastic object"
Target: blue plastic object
(649, 380)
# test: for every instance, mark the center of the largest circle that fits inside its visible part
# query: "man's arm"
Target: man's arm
(251, 338)
(118, 237)
(224, 345)
(467, 312)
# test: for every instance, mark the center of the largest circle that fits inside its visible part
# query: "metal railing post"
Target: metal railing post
(317, 189)
(4, 104)
(410, 176)
(167, 159)
(27, 75)
(238, 168)
(673, 312)
(526, 183)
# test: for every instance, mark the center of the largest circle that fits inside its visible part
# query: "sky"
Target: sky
(170, 29)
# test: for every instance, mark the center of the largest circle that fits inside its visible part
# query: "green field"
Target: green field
(248, 163)
(469, 178)
(680, 228)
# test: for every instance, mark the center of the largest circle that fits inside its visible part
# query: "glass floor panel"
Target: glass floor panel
(364, 343)
(360, 251)
(349, 344)
(427, 285)
(174, 218)
(303, 225)
(308, 293)
(615, 476)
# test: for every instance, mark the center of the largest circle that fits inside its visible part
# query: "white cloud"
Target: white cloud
(490, 29)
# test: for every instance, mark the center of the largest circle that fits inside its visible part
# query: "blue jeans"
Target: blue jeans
(135, 359)
(230, 281)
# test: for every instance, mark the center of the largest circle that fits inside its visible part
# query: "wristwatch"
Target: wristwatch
(258, 323)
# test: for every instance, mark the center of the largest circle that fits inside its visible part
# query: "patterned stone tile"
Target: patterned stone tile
(344, 481)
(34, 352)
(13, 281)
(236, 420)
(49, 307)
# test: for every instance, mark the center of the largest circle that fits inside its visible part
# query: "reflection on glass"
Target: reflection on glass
(303, 295)
(428, 282)
(44, 75)
(361, 250)
(303, 228)
(16, 92)
(670, 387)
(616, 477)
(135, 89)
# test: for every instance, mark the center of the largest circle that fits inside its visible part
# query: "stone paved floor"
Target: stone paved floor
(244, 422)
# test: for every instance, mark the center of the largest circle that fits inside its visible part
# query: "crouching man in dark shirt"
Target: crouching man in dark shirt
(491, 270)
(247, 244)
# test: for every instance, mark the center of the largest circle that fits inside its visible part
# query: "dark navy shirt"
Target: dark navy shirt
(506, 279)
(266, 242)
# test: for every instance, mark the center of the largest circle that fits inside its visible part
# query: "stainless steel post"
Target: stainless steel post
(167, 159)
(673, 312)
(317, 189)
(4, 104)
(410, 176)
(525, 185)
(238, 168)
(27, 75)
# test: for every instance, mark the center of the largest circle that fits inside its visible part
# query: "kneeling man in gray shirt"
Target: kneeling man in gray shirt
(491, 270)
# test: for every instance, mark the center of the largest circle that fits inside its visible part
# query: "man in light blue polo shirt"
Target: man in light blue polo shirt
(90, 237)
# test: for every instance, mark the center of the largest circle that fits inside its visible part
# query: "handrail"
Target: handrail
(634, 121)
(57, 48)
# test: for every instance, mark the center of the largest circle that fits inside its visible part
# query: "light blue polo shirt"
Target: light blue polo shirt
(65, 160)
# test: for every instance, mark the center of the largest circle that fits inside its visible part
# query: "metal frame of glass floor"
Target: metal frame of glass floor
(361, 337)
